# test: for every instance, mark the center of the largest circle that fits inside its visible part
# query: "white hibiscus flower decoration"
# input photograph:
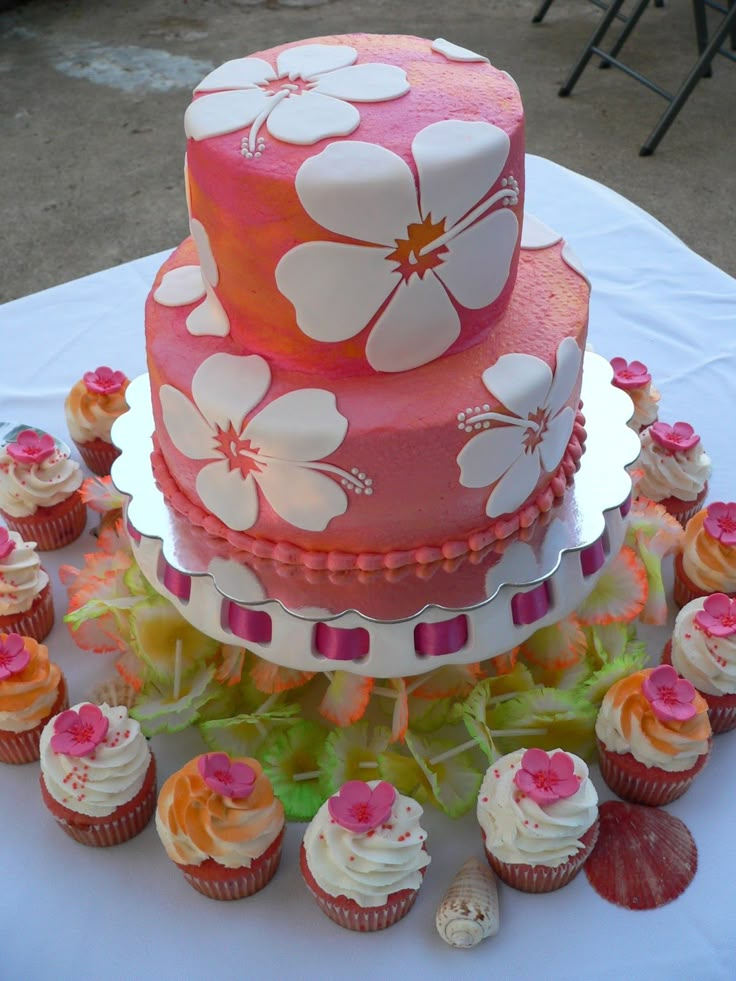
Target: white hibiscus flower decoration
(277, 451)
(420, 253)
(187, 284)
(511, 451)
(305, 99)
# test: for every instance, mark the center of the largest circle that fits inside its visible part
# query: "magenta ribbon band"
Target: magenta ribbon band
(178, 583)
(592, 558)
(625, 507)
(252, 625)
(341, 643)
(436, 639)
(133, 532)
(531, 606)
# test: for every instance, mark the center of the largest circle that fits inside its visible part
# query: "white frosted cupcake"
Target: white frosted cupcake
(675, 469)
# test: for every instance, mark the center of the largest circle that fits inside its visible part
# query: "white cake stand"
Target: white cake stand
(400, 622)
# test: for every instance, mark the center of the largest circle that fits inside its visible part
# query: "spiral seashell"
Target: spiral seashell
(114, 691)
(469, 911)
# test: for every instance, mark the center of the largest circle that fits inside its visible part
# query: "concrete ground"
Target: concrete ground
(93, 93)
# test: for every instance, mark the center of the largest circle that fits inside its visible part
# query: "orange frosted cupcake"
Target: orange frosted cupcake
(92, 406)
(26, 602)
(98, 776)
(675, 469)
(707, 563)
(39, 490)
(653, 736)
(32, 689)
(219, 821)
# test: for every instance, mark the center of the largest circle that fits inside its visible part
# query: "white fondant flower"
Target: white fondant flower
(276, 450)
(417, 256)
(306, 99)
(187, 284)
(511, 451)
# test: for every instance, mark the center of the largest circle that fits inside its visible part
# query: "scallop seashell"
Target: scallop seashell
(469, 911)
(114, 691)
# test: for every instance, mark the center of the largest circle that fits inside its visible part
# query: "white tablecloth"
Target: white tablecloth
(67, 911)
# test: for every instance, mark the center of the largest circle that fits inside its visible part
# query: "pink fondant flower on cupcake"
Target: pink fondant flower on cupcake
(718, 616)
(670, 696)
(79, 733)
(629, 375)
(674, 439)
(230, 778)
(359, 809)
(6, 543)
(546, 778)
(720, 522)
(104, 381)
(14, 656)
(31, 447)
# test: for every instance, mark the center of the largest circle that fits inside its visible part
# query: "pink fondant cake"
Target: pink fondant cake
(358, 360)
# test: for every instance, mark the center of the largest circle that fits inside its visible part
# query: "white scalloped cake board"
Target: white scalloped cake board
(569, 554)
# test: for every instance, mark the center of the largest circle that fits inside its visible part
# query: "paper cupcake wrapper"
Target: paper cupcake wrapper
(634, 782)
(98, 455)
(721, 708)
(217, 882)
(682, 511)
(541, 878)
(685, 590)
(54, 527)
(348, 914)
(36, 622)
(22, 747)
(124, 823)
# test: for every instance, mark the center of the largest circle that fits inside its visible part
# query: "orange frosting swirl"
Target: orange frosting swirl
(195, 823)
(26, 698)
(90, 415)
(627, 723)
(709, 565)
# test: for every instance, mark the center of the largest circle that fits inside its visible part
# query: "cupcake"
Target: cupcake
(98, 776)
(220, 823)
(635, 380)
(26, 602)
(703, 650)
(363, 856)
(653, 736)
(39, 490)
(92, 406)
(675, 469)
(32, 689)
(707, 562)
(538, 814)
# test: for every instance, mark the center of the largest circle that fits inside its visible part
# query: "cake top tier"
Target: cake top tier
(356, 201)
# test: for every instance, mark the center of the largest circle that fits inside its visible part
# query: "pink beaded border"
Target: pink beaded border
(335, 561)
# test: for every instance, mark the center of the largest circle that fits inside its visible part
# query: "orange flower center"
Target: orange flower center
(418, 236)
(237, 450)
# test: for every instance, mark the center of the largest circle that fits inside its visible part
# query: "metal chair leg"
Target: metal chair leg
(701, 31)
(598, 34)
(623, 37)
(540, 14)
(680, 98)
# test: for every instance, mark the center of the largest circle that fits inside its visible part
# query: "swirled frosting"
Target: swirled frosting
(710, 565)
(520, 831)
(627, 724)
(21, 577)
(109, 777)
(27, 697)
(646, 405)
(25, 487)
(368, 866)
(195, 823)
(90, 415)
(708, 662)
(682, 474)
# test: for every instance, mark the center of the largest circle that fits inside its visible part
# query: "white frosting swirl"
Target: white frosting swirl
(682, 474)
(25, 487)
(368, 866)
(21, 577)
(646, 405)
(708, 663)
(521, 832)
(98, 784)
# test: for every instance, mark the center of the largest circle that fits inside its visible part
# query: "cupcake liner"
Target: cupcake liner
(542, 878)
(640, 784)
(98, 455)
(35, 622)
(54, 527)
(721, 708)
(351, 915)
(217, 882)
(684, 510)
(22, 747)
(124, 823)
